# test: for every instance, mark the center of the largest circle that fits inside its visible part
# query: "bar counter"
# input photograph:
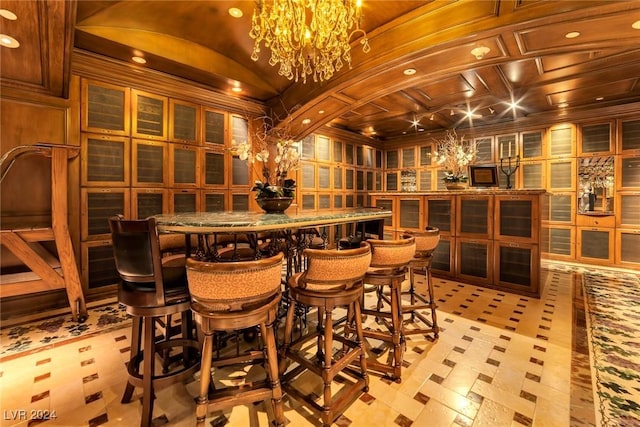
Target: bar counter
(243, 221)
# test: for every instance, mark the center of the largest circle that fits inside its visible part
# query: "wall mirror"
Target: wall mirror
(595, 185)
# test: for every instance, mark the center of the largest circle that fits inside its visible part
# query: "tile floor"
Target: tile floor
(501, 360)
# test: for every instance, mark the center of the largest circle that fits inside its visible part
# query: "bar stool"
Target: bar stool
(333, 279)
(151, 293)
(426, 243)
(389, 263)
(227, 296)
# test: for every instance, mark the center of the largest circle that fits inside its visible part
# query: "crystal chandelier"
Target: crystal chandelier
(307, 37)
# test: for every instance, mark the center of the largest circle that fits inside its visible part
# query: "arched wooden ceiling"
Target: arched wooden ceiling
(530, 60)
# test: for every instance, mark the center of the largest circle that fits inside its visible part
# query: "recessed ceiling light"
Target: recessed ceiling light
(600, 98)
(9, 41)
(321, 112)
(572, 34)
(636, 25)
(563, 104)
(236, 89)
(235, 12)
(409, 72)
(306, 121)
(139, 59)
(7, 14)
(480, 51)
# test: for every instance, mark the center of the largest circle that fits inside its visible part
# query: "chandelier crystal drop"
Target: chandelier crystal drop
(307, 37)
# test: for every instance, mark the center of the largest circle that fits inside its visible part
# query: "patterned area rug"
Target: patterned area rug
(37, 335)
(612, 302)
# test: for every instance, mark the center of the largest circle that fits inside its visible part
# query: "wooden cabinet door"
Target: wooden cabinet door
(105, 108)
(516, 266)
(440, 213)
(595, 245)
(517, 218)
(474, 216)
(149, 115)
(474, 260)
(105, 160)
(184, 122)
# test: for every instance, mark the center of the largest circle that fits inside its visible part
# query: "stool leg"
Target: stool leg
(432, 303)
(148, 362)
(288, 331)
(327, 375)
(136, 335)
(396, 324)
(271, 355)
(205, 376)
(360, 342)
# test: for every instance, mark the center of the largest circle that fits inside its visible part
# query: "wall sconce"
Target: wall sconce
(492, 111)
(431, 117)
(480, 51)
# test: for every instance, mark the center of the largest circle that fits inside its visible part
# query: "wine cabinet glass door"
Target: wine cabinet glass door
(473, 260)
(516, 218)
(516, 266)
(474, 218)
(440, 213)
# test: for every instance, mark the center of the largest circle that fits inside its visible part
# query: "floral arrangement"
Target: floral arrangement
(286, 158)
(454, 155)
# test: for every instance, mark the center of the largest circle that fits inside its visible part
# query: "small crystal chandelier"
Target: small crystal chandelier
(307, 37)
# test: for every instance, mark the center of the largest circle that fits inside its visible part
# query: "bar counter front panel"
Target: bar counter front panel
(488, 237)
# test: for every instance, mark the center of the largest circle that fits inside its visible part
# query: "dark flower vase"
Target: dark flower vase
(274, 204)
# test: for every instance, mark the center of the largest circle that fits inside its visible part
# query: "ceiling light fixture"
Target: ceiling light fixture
(8, 41)
(7, 14)
(480, 51)
(306, 121)
(307, 37)
(563, 105)
(409, 72)
(636, 25)
(138, 59)
(451, 113)
(235, 12)
(431, 117)
(599, 98)
(236, 89)
(491, 110)
(572, 34)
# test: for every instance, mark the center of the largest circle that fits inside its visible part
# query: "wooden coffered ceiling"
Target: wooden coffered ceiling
(530, 61)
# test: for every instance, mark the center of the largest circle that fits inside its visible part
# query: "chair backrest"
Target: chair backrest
(426, 241)
(335, 269)
(136, 249)
(231, 286)
(392, 253)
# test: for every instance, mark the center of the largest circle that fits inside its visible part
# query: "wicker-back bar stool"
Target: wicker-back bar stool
(387, 271)
(333, 279)
(228, 296)
(426, 243)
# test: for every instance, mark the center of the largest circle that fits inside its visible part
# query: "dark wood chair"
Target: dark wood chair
(228, 296)
(426, 243)
(152, 293)
(333, 279)
(389, 262)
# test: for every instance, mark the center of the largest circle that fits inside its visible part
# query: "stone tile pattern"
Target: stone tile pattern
(500, 360)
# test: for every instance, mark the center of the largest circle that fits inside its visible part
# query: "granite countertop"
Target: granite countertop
(243, 221)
